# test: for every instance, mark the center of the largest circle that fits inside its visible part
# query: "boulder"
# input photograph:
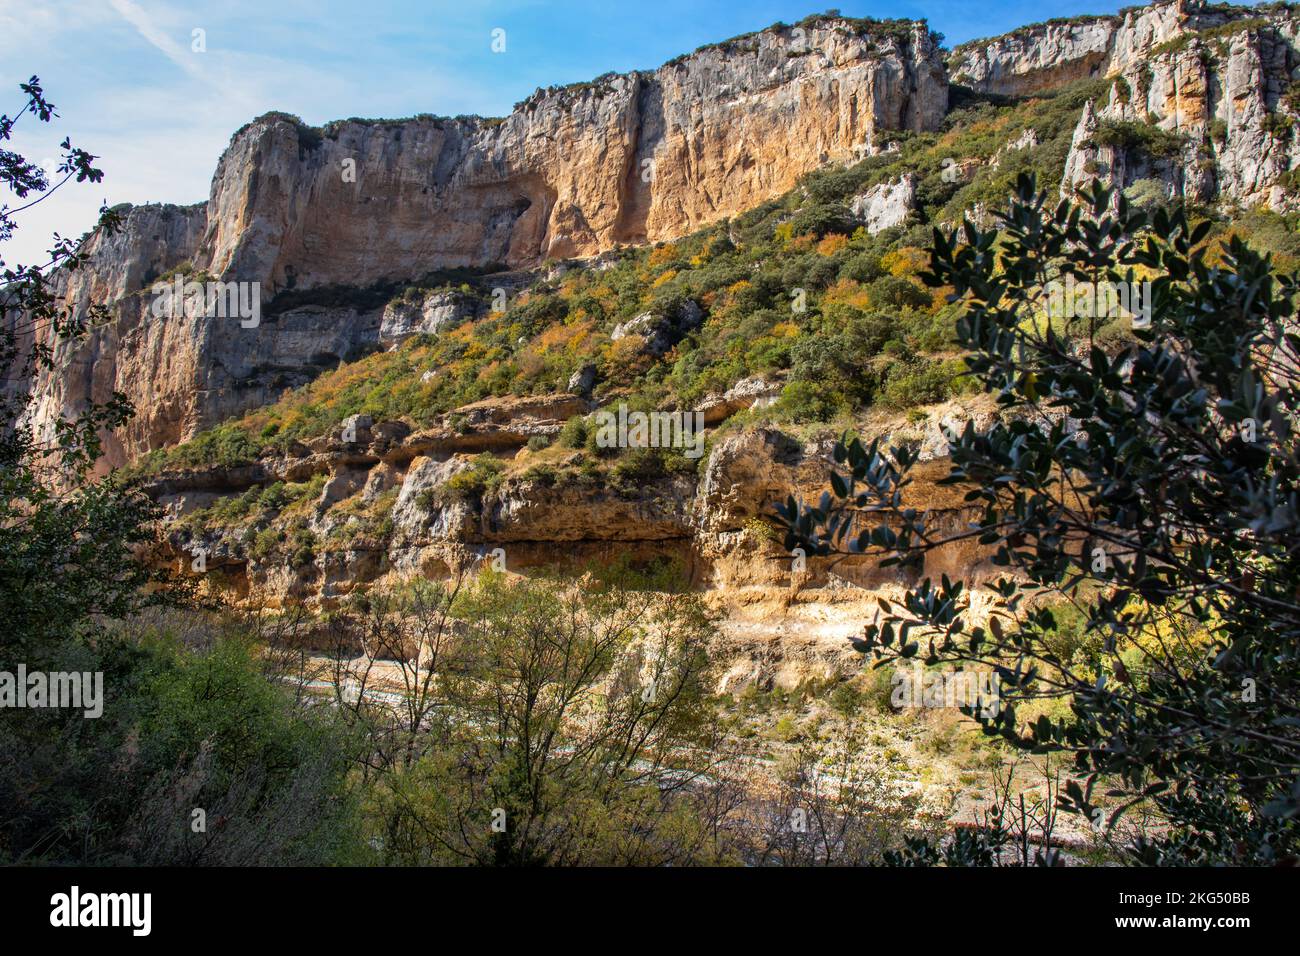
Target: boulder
(661, 331)
(885, 205)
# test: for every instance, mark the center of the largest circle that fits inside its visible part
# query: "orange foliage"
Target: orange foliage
(662, 255)
(567, 337)
(832, 244)
(907, 261)
(847, 292)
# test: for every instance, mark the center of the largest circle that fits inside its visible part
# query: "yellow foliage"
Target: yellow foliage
(734, 290)
(665, 277)
(939, 297)
(557, 337)
(905, 262)
(663, 255)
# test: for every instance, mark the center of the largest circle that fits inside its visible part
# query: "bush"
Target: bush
(921, 382)
(483, 476)
(574, 432)
(1133, 521)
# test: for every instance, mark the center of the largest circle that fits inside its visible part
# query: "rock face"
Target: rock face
(314, 220)
(1221, 97)
(572, 171)
(425, 314)
(886, 205)
(716, 522)
(1058, 52)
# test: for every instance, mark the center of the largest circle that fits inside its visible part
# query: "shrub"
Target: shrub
(483, 476)
(574, 432)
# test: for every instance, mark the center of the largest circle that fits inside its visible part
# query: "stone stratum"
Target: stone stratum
(445, 302)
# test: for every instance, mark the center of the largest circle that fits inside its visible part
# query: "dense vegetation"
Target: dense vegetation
(565, 720)
(1149, 496)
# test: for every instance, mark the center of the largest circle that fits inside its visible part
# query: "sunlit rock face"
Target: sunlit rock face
(327, 224)
(1053, 54)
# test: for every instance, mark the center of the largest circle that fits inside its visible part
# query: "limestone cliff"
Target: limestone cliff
(1052, 54)
(328, 223)
(1213, 77)
(381, 509)
(331, 224)
(1224, 100)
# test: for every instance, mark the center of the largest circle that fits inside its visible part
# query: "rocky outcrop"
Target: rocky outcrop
(752, 392)
(1053, 54)
(783, 616)
(426, 314)
(885, 205)
(659, 332)
(571, 172)
(322, 225)
(1220, 99)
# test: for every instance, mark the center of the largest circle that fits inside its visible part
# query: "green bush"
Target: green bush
(574, 432)
(482, 477)
(920, 382)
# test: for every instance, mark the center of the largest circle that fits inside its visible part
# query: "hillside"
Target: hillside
(407, 406)
(826, 448)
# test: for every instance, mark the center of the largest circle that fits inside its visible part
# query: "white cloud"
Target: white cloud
(133, 14)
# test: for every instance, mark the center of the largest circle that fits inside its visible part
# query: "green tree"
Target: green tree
(183, 726)
(1153, 490)
(573, 727)
(65, 538)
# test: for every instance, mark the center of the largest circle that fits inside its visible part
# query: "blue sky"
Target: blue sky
(130, 88)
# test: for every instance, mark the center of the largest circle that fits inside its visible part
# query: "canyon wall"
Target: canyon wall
(323, 219)
(1227, 98)
(331, 223)
(1052, 54)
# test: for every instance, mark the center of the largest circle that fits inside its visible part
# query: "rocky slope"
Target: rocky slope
(1178, 99)
(331, 223)
(327, 222)
(381, 508)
